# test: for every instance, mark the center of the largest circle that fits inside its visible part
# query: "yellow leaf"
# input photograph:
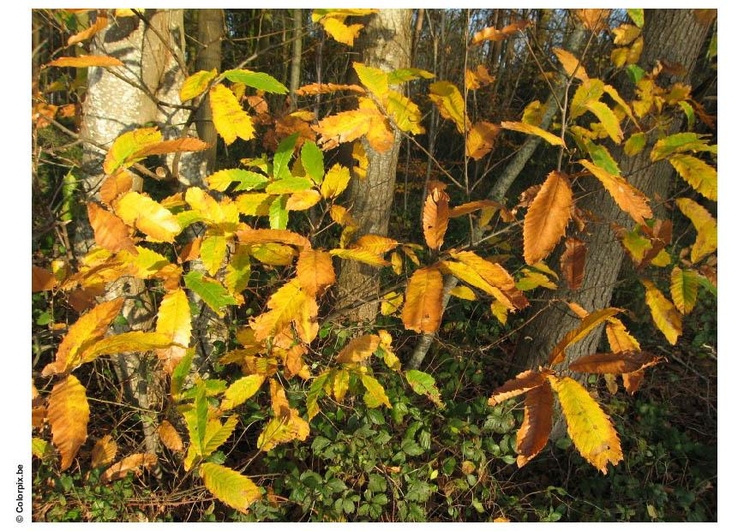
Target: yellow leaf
(547, 217)
(379, 133)
(470, 275)
(698, 174)
(500, 311)
(315, 271)
(607, 118)
(175, 322)
(588, 324)
(155, 221)
(495, 275)
(358, 349)
(133, 463)
(251, 236)
(68, 415)
(625, 34)
(404, 113)
(229, 486)
(391, 302)
(423, 308)
(481, 139)
(376, 243)
(705, 224)
(374, 79)
(590, 90)
(86, 61)
(570, 63)
(361, 255)
(627, 197)
(435, 215)
(273, 253)
(450, 103)
(241, 390)
(86, 331)
(230, 119)
(342, 216)
(335, 181)
(463, 292)
(534, 432)
(620, 340)
(123, 151)
(684, 289)
(375, 391)
(104, 451)
(589, 427)
(665, 315)
(533, 130)
(289, 304)
(196, 84)
(303, 200)
(283, 429)
(169, 437)
(133, 341)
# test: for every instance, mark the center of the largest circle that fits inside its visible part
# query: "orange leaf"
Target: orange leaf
(587, 325)
(614, 363)
(435, 215)
(248, 236)
(101, 22)
(534, 432)
(358, 349)
(133, 463)
(342, 127)
(115, 185)
(627, 197)
(472, 206)
(571, 64)
(68, 414)
(632, 381)
(169, 437)
(178, 145)
(335, 182)
(86, 61)
(85, 332)
(104, 451)
(315, 271)
(519, 385)
(423, 307)
(573, 262)
(361, 255)
(481, 139)
(375, 243)
(547, 217)
(174, 321)
(110, 232)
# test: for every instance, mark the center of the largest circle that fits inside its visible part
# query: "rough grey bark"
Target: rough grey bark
(671, 36)
(387, 40)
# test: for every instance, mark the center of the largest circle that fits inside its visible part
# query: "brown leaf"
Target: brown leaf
(589, 323)
(519, 385)
(573, 261)
(169, 437)
(101, 22)
(547, 217)
(534, 432)
(41, 279)
(116, 185)
(104, 451)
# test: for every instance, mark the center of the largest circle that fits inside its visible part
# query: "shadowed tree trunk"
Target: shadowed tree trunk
(675, 37)
(387, 42)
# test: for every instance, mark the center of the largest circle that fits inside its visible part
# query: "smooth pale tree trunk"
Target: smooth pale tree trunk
(387, 41)
(208, 57)
(673, 37)
(117, 101)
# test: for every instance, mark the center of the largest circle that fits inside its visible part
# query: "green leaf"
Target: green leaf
(283, 155)
(402, 75)
(246, 180)
(210, 291)
(289, 185)
(278, 215)
(229, 486)
(635, 144)
(424, 384)
(196, 418)
(636, 15)
(180, 374)
(374, 79)
(679, 143)
(257, 80)
(312, 161)
(602, 158)
(241, 390)
(217, 434)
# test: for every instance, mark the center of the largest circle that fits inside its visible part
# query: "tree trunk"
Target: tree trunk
(126, 98)
(210, 34)
(387, 45)
(673, 37)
